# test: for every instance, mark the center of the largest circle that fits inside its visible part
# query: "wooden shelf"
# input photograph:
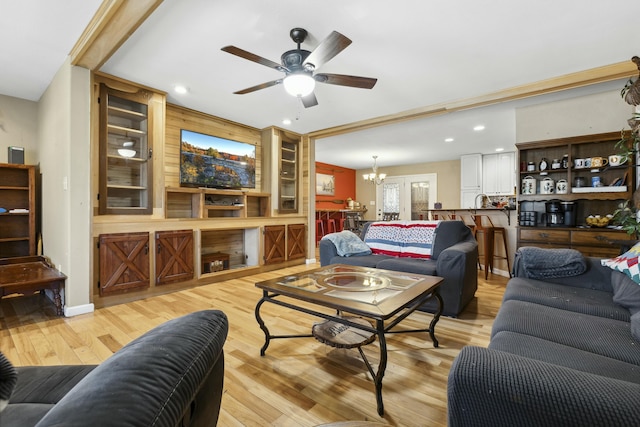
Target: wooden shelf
(17, 229)
(589, 200)
(125, 182)
(182, 202)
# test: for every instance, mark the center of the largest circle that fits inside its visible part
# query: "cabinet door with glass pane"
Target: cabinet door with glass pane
(125, 152)
(288, 176)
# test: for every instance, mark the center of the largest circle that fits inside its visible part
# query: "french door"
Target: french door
(410, 196)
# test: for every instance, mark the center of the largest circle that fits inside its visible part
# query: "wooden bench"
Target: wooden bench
(22, 275)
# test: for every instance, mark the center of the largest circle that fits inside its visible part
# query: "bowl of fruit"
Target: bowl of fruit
(598, 221)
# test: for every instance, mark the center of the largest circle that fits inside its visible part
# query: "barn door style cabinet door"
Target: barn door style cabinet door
(274, 244)
(125, 152)
(124, 262)
(18, 200)
(174, 256)
(296, 240)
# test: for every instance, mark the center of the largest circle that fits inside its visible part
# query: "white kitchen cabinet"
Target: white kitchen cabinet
(470, 179)
(499, 174)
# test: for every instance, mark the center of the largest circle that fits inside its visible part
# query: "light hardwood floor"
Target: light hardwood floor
(299, 382)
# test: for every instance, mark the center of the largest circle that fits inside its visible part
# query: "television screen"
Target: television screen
(209, 161)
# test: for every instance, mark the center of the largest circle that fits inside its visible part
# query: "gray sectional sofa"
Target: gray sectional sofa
(454, 257)
(564, 351)
(171, 376)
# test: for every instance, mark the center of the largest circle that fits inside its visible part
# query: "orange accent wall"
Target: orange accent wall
(345, 186)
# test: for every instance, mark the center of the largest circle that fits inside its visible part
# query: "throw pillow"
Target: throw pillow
(626, 292)
(626, 263)
(8, 379)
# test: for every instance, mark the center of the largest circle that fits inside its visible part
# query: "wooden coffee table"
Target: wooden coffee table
(384, 297)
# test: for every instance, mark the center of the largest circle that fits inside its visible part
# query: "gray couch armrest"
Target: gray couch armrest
(494, 388)
(327, 251)
(172, 373)
(457, 265)
(596, 277)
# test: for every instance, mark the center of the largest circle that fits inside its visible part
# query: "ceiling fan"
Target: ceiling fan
(299, 66)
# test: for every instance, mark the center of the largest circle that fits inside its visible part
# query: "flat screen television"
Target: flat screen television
(210, 161)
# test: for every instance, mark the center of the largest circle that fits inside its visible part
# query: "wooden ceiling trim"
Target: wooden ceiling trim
(603, 74)
(110, 27)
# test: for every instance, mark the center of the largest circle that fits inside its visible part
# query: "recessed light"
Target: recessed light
(286, 121)
(499, 149)
(180, 89)
(448, 140)
(478, 128)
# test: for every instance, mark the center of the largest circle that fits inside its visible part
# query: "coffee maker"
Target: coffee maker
(569, 213)
(554, 214)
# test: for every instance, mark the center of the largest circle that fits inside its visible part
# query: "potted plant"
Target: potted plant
(630, 141)
(626, 216)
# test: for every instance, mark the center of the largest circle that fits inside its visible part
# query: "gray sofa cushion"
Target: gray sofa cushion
(562, 355)
(626, 292)
(361, 261)
(580, 300)
(635, 326)
(607, 337)
(409, 265)
(489, 388)
(37, 390)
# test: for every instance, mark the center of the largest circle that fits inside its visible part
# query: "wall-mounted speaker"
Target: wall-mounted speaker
(16, 155)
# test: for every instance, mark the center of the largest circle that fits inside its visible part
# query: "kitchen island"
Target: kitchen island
(487, 217)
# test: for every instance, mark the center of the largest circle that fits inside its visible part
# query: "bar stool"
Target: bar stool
(488, 233)
(319, 230)
(331, 226)
(342, 221)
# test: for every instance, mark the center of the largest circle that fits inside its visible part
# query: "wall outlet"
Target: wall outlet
(372, 202)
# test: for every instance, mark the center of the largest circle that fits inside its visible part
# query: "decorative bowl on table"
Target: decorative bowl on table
(598, 221)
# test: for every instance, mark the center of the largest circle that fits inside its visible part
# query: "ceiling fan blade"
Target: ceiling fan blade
(309, 100)
(345, 80)
(252, 57)
(327, 49)
(258, 87)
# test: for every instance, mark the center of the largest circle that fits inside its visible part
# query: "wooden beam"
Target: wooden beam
(109, 28)
(603, 74)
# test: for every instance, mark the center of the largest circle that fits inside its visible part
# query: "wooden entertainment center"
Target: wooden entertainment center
(215, 234)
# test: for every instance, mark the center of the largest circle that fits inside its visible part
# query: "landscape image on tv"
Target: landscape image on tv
(209, 161)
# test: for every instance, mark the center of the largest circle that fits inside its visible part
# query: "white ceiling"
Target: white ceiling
(422, 52)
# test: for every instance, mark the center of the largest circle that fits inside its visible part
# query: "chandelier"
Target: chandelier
(374, 177)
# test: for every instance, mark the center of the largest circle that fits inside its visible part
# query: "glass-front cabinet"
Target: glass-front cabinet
(125, 152)
(288, 176)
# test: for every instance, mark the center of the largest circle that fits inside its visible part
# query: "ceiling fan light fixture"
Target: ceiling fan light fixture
(299, 84)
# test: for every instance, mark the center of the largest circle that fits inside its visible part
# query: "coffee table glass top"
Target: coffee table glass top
(359, 285)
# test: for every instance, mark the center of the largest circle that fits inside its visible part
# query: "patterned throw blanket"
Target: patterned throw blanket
(542, 264)
(412, 239)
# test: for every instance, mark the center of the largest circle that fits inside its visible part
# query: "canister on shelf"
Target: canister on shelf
(528, 185)
(561, 186)
(547, 186)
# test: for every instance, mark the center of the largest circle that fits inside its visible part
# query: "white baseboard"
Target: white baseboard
(311, 261)
(78, 309)
(499, 272)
